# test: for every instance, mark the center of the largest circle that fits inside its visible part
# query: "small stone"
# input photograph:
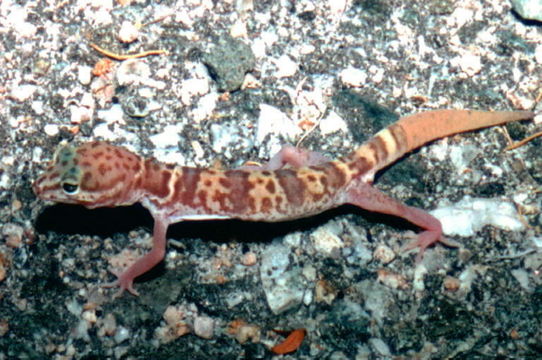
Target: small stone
(286, 67)
(528, 9)
(281, 282)
(128, 32)
(353, 77)
(204, 327)
(249, 259)
(324, 292)
(274, 121)
(13, 234)
(248, 332)
(84, 74)
(23, 92)
(51, 129)
(332, 123)
(4, 327)
(133, 72)
(229, 61)
(384, 254)
(3, 266)
(469, 63)
(80, 114)
(122, 334)
(451, 283)
(326, 241)
(392, 280)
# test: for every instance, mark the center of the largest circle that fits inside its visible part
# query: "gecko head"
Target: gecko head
(94, 174)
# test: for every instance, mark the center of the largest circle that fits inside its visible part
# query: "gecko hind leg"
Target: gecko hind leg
(290, 156)
(369, 198)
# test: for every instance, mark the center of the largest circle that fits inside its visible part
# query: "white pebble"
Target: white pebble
(122, 334)
(51, 129)
(128, 32)
(332, 123)
(286, 67)
(469, 215)
(84, 74)
(353, 77)
(469, 63)
(23, 92)
(37, 106)
(274, 121)
(204, 327)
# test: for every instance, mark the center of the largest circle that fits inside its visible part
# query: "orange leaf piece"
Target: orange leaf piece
(291, 343)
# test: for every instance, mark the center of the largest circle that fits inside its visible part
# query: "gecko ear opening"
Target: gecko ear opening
(70, 189)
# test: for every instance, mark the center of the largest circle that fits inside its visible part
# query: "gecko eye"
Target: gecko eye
(70, 189)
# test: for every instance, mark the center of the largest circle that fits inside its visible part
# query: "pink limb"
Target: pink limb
(125, 279)
(290, 156)
(369, 198)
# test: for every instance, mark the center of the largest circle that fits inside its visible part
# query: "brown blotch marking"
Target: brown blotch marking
(53, 175)
(311, 178)
(164, 189)
(359, 166)
(155, 166)
(118, 153)
(398, 134)
(188, 182)
(266, 173)
(136, 167)
(97, 155)
(137, 184)
(85, 164)
(64, 163)
(202, 196)
(381, 146)
(374, 150)
(126, 166)
(224, 182)
(102, 169)
(95, 144)
(171, 166)
(279, 200)
(270, 186)
(293, 187)
(207, 182)
(334, 175)
(252, 204)
(85, 180)
(220, 197)
(117, 165)
(108, 157)
(239, 190)
(259, 181)
(267, 205)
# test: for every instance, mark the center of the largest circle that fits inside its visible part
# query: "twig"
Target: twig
(121, 57)
(523, 142)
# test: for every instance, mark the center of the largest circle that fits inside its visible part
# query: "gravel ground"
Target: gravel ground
(237, 81)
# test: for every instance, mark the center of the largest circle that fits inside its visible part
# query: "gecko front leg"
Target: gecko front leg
(370, 198)
(125, 279)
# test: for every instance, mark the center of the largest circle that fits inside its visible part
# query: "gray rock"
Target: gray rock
(228, 62)
(528, 9)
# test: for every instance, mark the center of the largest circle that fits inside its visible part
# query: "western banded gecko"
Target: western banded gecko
(294, 184)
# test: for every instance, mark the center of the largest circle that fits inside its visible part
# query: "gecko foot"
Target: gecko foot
(123, 282)
(426, 239)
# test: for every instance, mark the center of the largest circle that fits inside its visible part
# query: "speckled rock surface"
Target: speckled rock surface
(328, 74)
